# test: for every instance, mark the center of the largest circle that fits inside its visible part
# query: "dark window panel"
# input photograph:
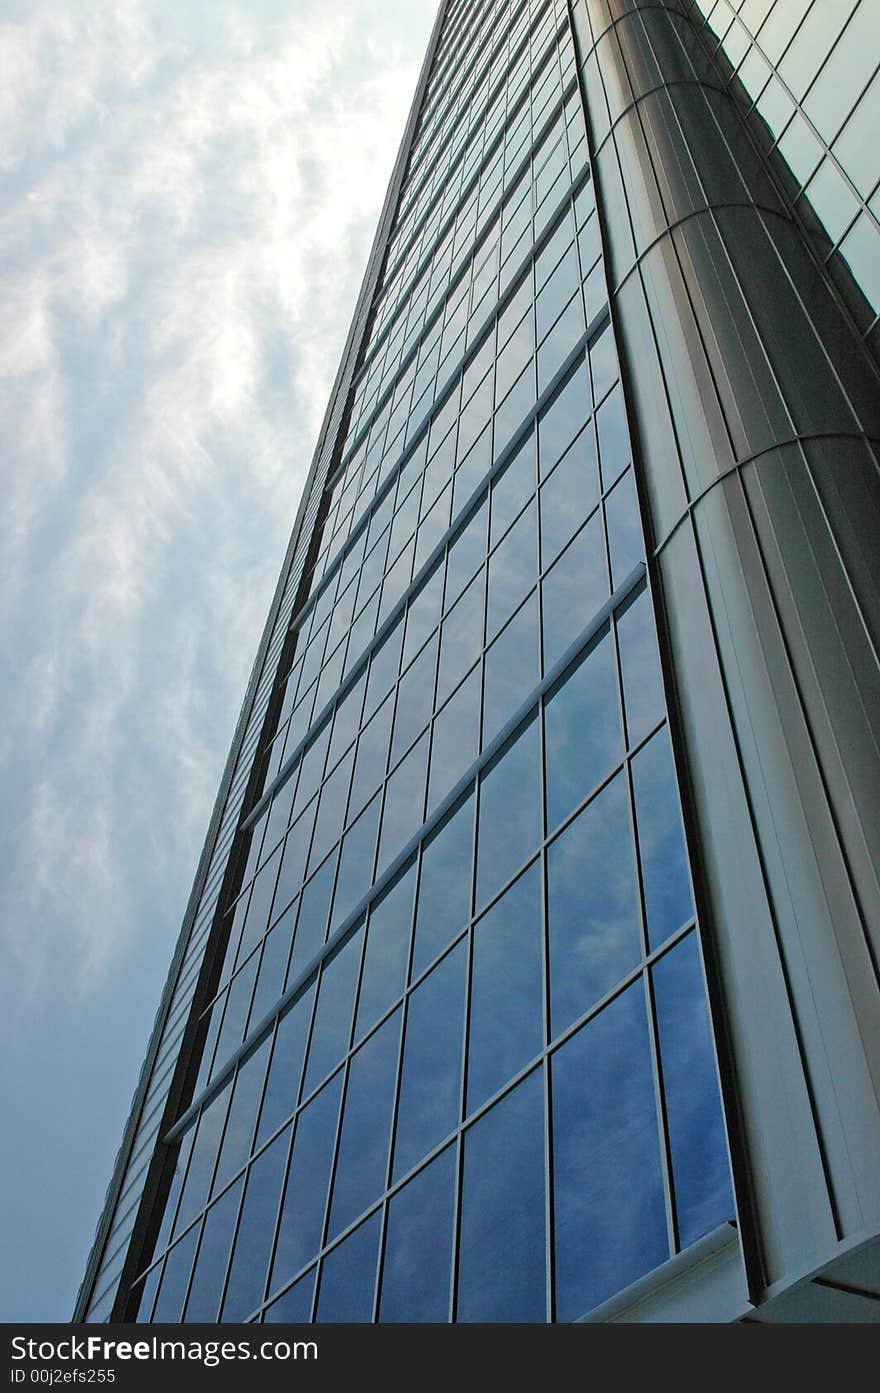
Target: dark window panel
(285, 1069)
(348, 1277)
(256, 1229)
(592, 906)
(241, 1122)
(665, 878)
(295, 1306)
(302, 1217)
(501, 1273)
(387, 950)
(581, 729)
(430, 1090)
(444, 896)
(610, 1218)
(314, 907)
(175, 1277)
(332, 1028)
(356, 857)
(364, 1141)
(418, 1246)
(506, 1025)
(509, 823)
(701, 1175)
(207, 1282)
(203, 1158)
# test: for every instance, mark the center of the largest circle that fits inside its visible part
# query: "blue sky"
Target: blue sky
(188, 194)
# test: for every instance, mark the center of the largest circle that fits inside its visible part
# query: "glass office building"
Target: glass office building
(530, 971)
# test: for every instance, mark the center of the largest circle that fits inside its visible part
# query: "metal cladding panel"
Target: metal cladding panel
(757, 414)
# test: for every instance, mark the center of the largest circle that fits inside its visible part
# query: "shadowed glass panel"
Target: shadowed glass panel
(362, 1161)
(302, 1214)
(256, 1229)
(348, 1277)
(210, 1268)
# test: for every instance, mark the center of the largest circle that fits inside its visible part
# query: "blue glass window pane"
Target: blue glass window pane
(312, 767)
(608, 1190)
(311, 924)
(510, 821)
(331, 810)
(236, 1012)
(387, 950)
(372, 756)
(461, 639)
(210, 1268)
(665, 878)
(562, 419)
(506, 1021)
(625, 544)
(640, 667)
(332, 1029)
(582, 730)
(362, 1162)
(418, 1246)
(573, 590)
(262, 891)
(285, 1070)
(614, 451)
(501, 1273)
(348, 1277)
(384, 666)
(701, 1175)
(511, 669)
(513, 411)
(592, 906)
(404, 807)
(273, 969)
(203, 1158)
(415, 699)
(424, 614)
(471, 472)
(560, 341)
(514, 356)
(178, 1266)
(302, 1215)
(568, 496)
(455, 738)
(430, 1089)
(513, 488)
(295, 1306)
(444, 898)
(242, 1115)
(603, 370)
(346, 721)
(253, 1242)
(356, 857)
(466, 554)
(293, 863)
(513, 570)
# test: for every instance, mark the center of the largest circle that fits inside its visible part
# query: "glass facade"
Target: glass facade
(810, 72)
(455, 1062)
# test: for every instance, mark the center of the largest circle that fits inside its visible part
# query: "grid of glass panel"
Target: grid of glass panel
(812, 71)
(462, 997)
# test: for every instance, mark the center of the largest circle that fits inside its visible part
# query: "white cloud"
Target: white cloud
(192, 193)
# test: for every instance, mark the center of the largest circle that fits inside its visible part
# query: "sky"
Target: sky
(189, 191)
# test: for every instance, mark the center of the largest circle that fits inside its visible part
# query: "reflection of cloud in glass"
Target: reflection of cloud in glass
(418, 1246)
(581, 730)
(431, 1073)
(608, 1191)
(592, 906)
(509, 815)
(661, 844)
(445, 884)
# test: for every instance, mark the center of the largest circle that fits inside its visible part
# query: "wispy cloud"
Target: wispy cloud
(189, 197)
